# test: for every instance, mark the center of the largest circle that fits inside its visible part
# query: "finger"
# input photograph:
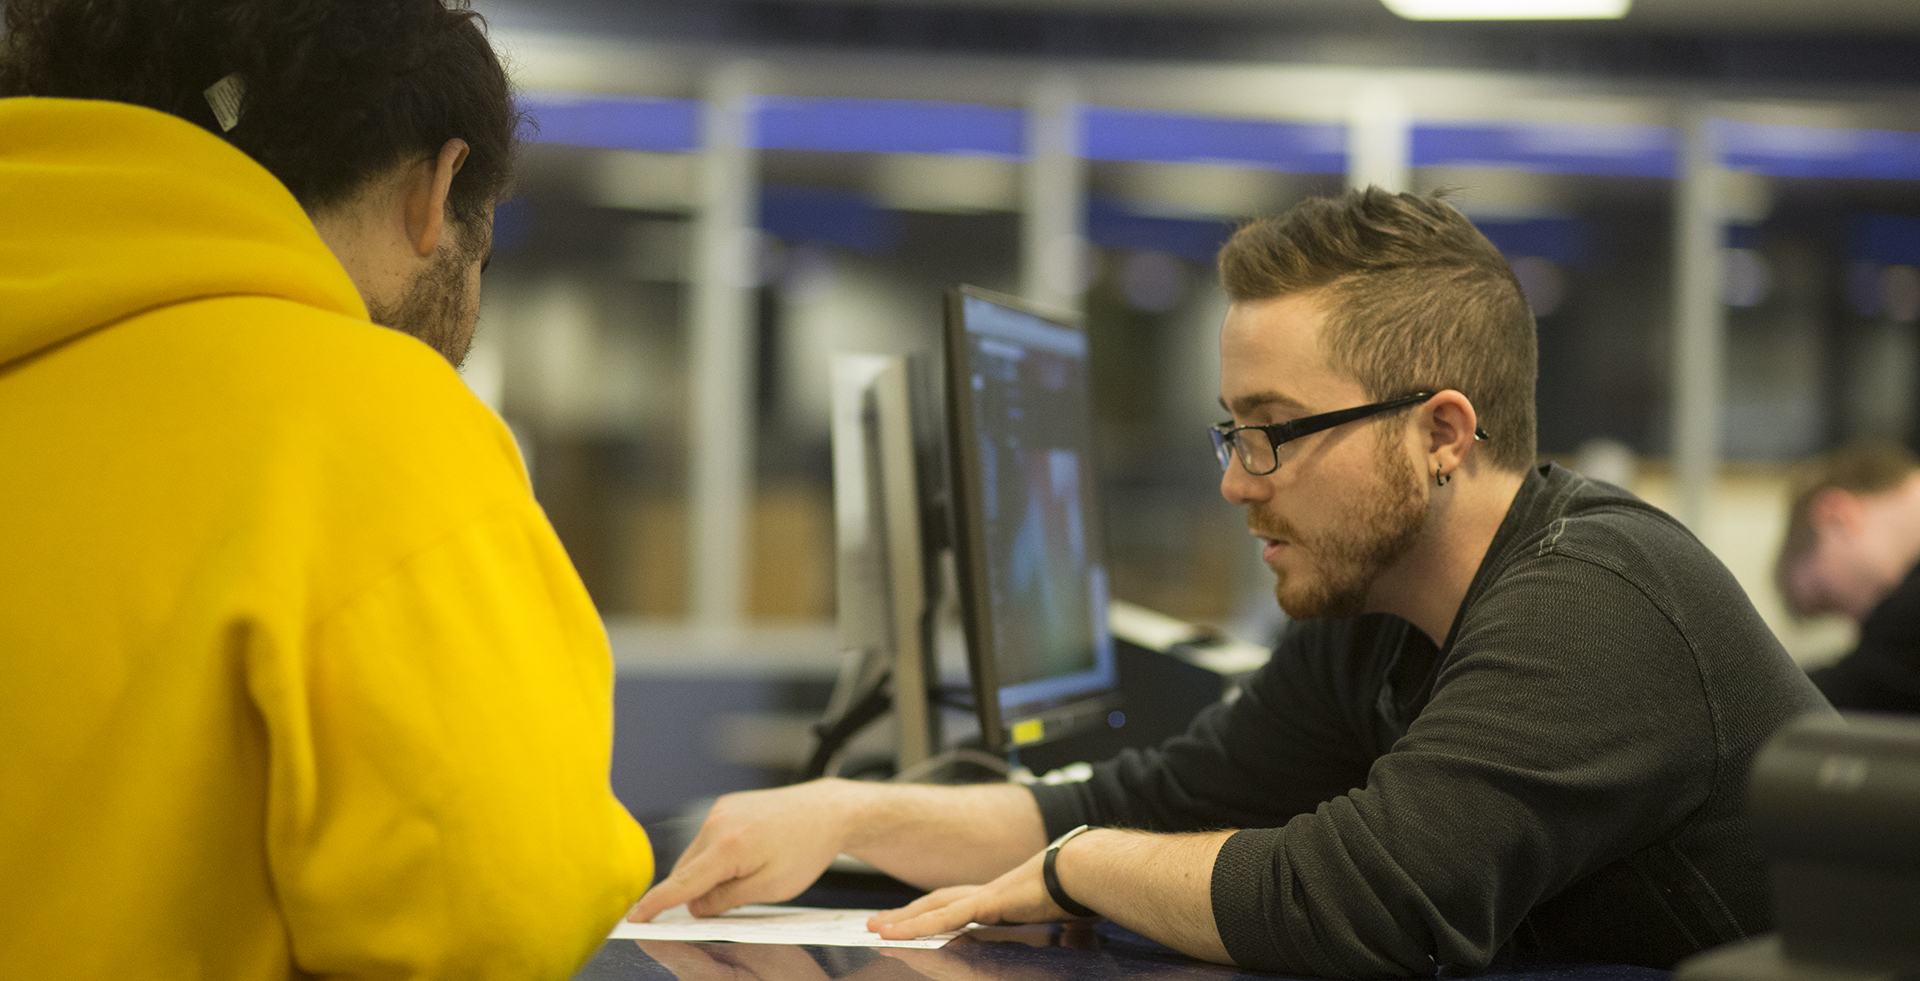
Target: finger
(726, 896)
(691, 852)
(938, 906)
(934, 900)
(696, 878)
(710, 829)
(665, 895)
(946, 919)
(930, 901)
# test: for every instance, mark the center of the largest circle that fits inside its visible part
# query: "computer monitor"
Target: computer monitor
(888, 584)
(1026, 520)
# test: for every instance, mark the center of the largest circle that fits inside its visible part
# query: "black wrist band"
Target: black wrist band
(1052, 878)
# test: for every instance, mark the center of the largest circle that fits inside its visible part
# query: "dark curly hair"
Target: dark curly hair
(337, 91)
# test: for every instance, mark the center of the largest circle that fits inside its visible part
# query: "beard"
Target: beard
(1339, 565)
(436, 307)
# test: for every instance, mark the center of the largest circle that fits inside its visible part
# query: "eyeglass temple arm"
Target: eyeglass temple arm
(1283, 432)
(1292, 430)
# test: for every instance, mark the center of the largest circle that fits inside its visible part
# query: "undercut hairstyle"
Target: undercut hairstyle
(337, 92)
(1417, 301)
(1860, 468)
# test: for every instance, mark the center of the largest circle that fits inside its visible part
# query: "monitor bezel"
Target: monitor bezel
(1059, 716)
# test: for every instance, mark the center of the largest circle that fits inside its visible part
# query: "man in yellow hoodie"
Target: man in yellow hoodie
(295, 679)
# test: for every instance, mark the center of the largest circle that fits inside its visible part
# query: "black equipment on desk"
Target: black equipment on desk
(1026, 521)
(889, 502)
(977, 505)
(1835, 805)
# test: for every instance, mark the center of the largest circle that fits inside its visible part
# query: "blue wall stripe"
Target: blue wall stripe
(1165, 137)
(808, 214)
(901, 126)
(1563, 240)
(1111, 226)
(614, 123)
(1889, 240)
(889, 126)
(1550, 148)
(1814, 151)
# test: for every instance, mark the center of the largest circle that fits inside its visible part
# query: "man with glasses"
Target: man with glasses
(1511, 721)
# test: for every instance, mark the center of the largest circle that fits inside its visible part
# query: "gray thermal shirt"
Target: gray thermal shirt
(1561, 781)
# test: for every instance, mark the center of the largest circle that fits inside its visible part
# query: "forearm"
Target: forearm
(1159, 886)
(939, 836)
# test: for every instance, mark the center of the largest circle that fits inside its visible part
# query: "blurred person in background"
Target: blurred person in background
(1853, 548)
(298, 681)
(1510, 720)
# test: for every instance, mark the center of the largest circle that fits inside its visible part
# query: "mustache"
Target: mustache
(1271, 526)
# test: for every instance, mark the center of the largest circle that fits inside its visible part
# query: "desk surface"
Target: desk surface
(1046, 952)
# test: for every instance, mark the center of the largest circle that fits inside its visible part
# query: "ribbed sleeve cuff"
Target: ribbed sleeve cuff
(1243, 898)
(1063, 806)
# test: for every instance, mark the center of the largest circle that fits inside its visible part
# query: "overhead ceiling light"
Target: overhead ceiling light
(1509, 9)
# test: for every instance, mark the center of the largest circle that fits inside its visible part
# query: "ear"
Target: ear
(428, 182)
(1449, 422)
(1834, 509)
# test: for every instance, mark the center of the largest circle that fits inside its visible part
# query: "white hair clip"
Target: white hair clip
(224, 98)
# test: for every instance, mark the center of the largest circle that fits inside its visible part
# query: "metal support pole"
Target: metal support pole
(1699, 320)
(721, 360)
(1379, 139)
(1053, 230)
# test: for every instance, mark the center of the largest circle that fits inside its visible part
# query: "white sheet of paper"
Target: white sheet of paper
(771, 925)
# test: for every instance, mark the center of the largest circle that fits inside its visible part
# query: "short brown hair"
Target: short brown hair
(1860, 468)
(1421, 302)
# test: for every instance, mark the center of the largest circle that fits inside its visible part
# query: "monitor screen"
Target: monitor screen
(1033, 576)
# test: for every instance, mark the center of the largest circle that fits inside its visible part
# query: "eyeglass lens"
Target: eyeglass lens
(1255, 450)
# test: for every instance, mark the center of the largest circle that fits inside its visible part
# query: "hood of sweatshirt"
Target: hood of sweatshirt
(108, 210)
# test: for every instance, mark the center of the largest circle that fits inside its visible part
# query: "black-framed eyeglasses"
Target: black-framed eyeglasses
(1258, 447)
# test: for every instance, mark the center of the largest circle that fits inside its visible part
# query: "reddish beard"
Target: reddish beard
(1335, 568)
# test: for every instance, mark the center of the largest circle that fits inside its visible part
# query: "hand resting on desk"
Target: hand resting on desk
(1020, 896)
(1154, 884)
(766, 846)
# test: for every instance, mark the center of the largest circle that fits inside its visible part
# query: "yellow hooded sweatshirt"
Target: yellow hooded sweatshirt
(294, 677)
